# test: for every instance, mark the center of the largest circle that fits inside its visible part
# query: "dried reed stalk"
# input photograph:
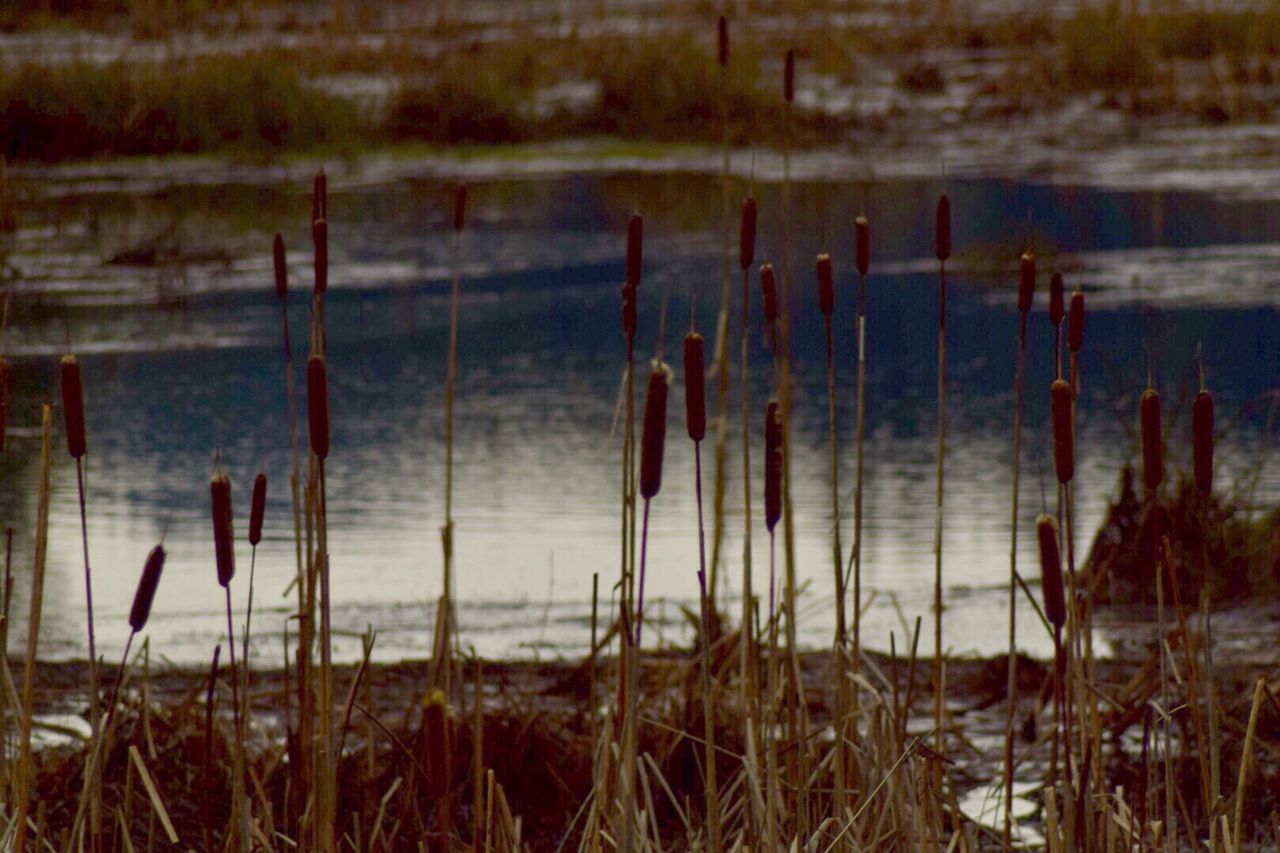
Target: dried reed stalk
(862, 232)
(746, 258)
(720, 360)
(942, 250)
(318, 421)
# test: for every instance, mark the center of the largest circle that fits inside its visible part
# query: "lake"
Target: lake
(165, 292)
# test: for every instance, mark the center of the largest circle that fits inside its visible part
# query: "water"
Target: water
(183, 364)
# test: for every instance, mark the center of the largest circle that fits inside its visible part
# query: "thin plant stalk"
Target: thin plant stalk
(943, 251)
(720, 362)
(442, 656)
(748, 671)
(863, 257)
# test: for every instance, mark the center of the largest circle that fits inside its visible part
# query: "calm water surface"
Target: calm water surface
(167, 297)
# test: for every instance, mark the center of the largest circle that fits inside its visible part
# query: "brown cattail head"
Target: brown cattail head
(722, 41)
(635, 249)
(862, 229)
(459, 207)
(257, 508)
(318, 405)
(1055, 602)
(1202, 441)
(1026, 281)
(826, 285)
(1057, 304)
(789, 76)
(747, 233)
(654, 437)
(1075, 322)
(282, 268)
(73, 405)
(319, 197)
(6, 392)
(942, 229)
(146, 593)
(695, 385)
(1064, 446)
(772, 465)
(436, 752)
(224, 546)
(628, 312)
(769, 287)
(1152, 448)
(320, 238)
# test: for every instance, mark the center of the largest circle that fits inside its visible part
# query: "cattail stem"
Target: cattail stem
(708, 698)
(1012, 687)
(749, 679)
(943, 252)
(92, 779)
(863, 258)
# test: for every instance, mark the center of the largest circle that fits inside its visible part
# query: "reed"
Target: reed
(1064, 454)
(695, 399)
(77, 446)
(1055, 611)
(773, 500)
(746, 258)
(720, 359)
(1057, 313)
(1152, 441)
(257, 511)
(1026, 296)
(862, 253)
(652, 442)
(225, 559)
(1202, 440)
(437, 755)
(942, 250)
(1075, 337)
(26, 772)
(318, 421)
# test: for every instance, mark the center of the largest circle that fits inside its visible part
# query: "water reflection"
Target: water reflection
(182, 360)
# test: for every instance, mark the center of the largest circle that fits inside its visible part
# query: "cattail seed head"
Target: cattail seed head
(747, 233)
(257, 508)
(635, 248)
(459, 207)
(695, 382)
(1055, 602)
(281, 267)
(146, 593)
(1064, 450)
(320, 238)
(1202, 441)
(769, 287)
(318, 405)
(73, 405)
(628, 312)
(6, 395)
(654, 437)
(789, 77)
(942, 229)
(224, 548)
(1026, 281)
(1152, 447)
(722, 41)
(1057, 304)
(826, 285)
(319, 197)
(435, 743)
(1075, 322)
(772, 465)
(862, 230)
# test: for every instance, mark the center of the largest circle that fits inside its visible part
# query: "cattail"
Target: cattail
(141, 610)
(282, 269)
(695, 392)
(1026, 281)
(942, 232)
(1075, 322)
(1064, 449)
(459, 207)
(769, 286)
(862, 229)
(789, 77)
(722, 40)
(73, 405)
(628, 312)
(654, 436)
(318, 405)
(319, 197)
(772, 466)
(747, 232)
(1055, 607)
(224, 549)
(1202, 441)
(1057, 306)
(635, 249)
(320, 237)
(435, 736)
(1152, 449)
(826, 285)
(6, 391)
(257, 508)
